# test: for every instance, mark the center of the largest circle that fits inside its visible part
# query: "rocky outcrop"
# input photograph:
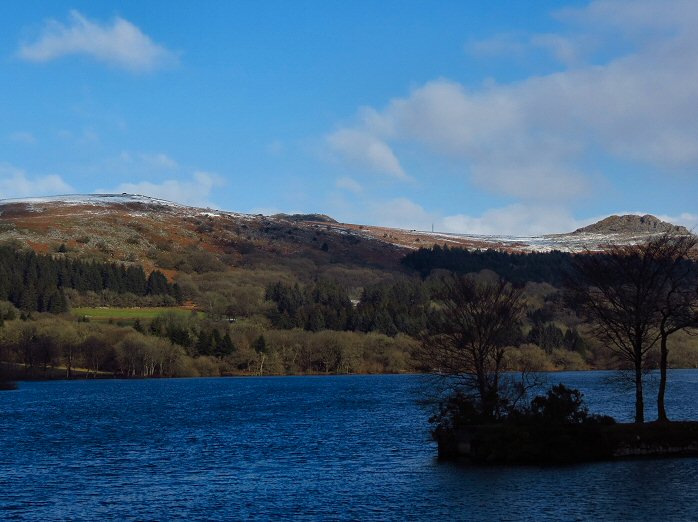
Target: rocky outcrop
(315, 218)
(632, 224)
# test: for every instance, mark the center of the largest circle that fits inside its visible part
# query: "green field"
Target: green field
(106, 313)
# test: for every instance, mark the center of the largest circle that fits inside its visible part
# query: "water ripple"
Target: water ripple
(337, 448)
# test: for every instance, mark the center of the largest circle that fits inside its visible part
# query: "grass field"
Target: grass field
(107, 313)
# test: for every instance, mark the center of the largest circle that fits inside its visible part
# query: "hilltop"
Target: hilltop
(632, 225)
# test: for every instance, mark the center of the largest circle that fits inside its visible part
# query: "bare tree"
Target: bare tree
(678, 309)
(468, 334)
(622, 293)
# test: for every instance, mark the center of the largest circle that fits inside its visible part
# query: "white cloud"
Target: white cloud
(119, 43)
(196, 191)
(533, 140)
(23, 137)
(516, 220)
(349, 184)
(400, 213)
(644, 18)
(569, 51)
(366, 150)
(15, 183)
(159, 160)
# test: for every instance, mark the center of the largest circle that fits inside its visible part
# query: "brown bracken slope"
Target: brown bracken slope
(134, 229)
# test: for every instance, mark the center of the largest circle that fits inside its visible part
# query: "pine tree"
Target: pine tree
(226, 346)
(203, 343)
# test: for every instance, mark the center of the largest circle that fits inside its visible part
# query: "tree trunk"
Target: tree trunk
(484, 391)
(664, 356)
(639, 402)
(69, 364)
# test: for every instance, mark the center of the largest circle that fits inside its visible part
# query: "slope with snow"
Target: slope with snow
(64, 211)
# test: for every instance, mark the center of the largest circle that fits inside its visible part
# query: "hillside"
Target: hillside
(139, 229)
(144, 230)
(136, 286)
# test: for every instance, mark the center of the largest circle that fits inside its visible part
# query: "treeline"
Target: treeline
(48, 346)
(387, 308)
(52, 347)
(549, 336)
(518, 268)
(33, 282)
(251, 347)
(403, 307)
(196, 336)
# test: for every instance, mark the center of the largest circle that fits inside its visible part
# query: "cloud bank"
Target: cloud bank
(543, 141)
(16, 183)
(195, 192)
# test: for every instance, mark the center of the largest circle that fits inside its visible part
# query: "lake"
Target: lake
(311, 448)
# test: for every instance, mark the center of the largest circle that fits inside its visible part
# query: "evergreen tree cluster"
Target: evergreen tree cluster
(197, 340)
(388, 308)
(320, 306)
(393, 308)
(518, 268)
(210, 342)
(35, 282)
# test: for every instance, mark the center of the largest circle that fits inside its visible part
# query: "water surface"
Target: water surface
(314, 448)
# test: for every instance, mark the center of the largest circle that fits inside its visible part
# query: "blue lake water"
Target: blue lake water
(313, 448)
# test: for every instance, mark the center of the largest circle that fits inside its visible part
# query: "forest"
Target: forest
(518, 268)
(270, 320)
(38, 283)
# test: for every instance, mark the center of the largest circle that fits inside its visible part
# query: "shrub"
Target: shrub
(456, 412)
(560, 405)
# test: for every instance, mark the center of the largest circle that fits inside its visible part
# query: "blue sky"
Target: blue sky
(479, 116)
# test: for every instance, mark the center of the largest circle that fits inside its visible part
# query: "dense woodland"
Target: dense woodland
(38, 283)
(519, 268)
(293, 317)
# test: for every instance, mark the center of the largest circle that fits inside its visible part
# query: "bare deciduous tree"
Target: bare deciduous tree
(678, 308)
(469, 332)
(624, 293)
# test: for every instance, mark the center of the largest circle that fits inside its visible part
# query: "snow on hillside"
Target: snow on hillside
(109, 200)
(92, 199)
(571, 242)
(576, 242)
(136, 204)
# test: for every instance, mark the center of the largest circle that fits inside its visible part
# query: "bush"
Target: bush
(563, 405)
(456, 412)
(560, 405)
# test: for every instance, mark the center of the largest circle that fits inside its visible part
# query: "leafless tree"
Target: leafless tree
(468, 334)
(624, 292)
(678, 309)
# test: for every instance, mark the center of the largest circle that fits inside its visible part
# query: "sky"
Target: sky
(482, 117)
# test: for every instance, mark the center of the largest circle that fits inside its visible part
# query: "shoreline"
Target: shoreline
(83, 375)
